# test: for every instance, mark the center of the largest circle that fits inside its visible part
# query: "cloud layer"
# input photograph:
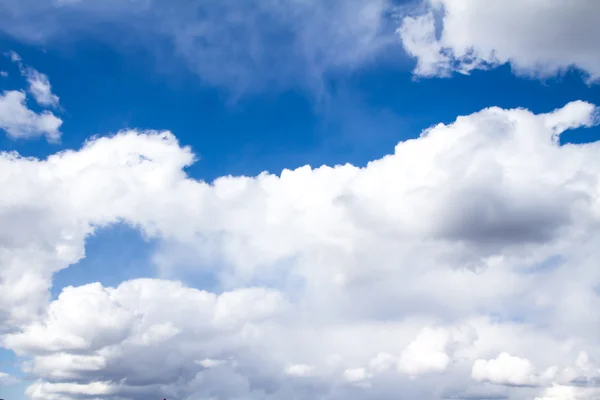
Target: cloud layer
(462, 265)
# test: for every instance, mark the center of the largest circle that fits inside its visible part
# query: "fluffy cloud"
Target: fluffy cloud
(336, 282)
(538, 38)
(19, 122)
(16, 119)
(505, 370)
(433, 349)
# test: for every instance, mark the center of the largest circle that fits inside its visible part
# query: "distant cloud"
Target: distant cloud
(506, 370)
(537, 38)
(14, 57)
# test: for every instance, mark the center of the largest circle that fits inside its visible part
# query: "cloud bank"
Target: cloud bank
(462, 265)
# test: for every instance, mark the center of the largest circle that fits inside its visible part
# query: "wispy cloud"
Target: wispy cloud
(39, 84)
(242, 46)
(40, 88)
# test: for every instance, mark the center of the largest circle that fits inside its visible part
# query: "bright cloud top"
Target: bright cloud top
(538, 38)
(464, 262)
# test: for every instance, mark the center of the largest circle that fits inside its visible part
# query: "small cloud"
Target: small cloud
(508, 370)
(210, 363)
(19, 122)
(40, 88)
(299, 370)
(39, 84)
(14, 57)
(4, 74)
(357, 376)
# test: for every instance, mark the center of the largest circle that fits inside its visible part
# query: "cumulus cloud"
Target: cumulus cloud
(19, 122)
(433, 349)
(537, 38)
(354, 279)
(238, 45)
(506, 370)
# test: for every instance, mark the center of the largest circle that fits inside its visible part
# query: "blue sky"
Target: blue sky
(104, 90)
(260, 89)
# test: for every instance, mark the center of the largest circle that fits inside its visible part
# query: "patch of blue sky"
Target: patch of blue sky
(113, 254)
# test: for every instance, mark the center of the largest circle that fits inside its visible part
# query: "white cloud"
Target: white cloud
(19, 122)
(44, 390)
(357, 376)
(4, 74)
(14, 57)
(505, 370)
(537, 38)
(420, 261)
(299, 370)
(433, 349)
(40, 88)
(210, 363)
(562, 392)
(383, 362)
(39, 84)
(92, 317)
